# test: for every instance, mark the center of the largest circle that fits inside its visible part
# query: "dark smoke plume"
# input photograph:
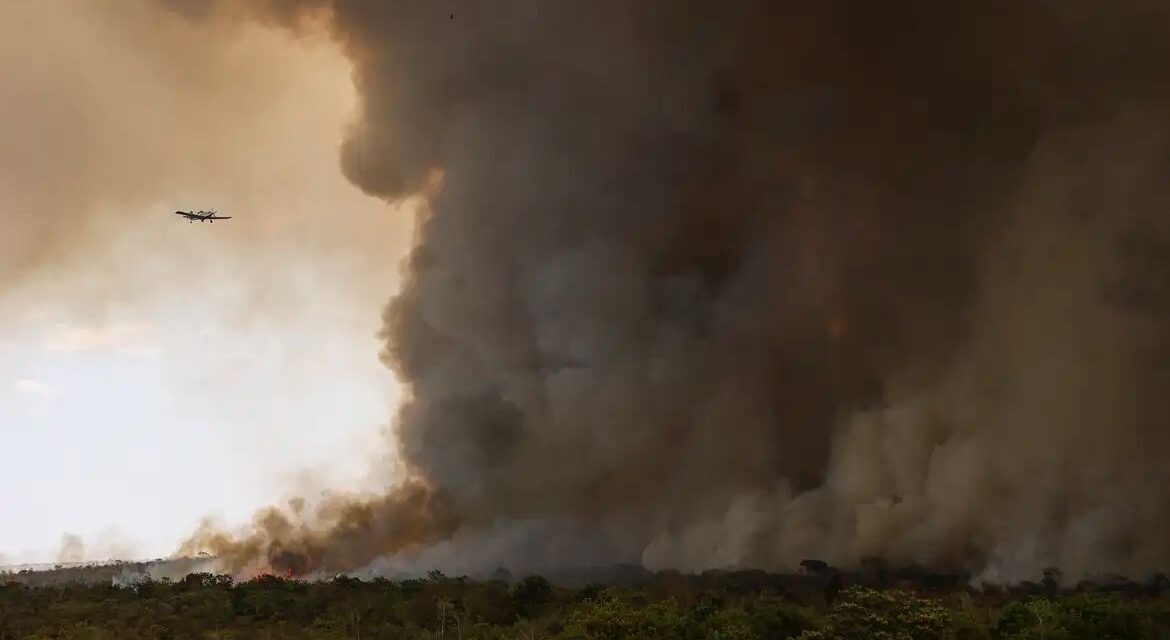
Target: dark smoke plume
(742, 283)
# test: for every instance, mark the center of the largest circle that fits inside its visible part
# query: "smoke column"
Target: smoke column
(744, 283)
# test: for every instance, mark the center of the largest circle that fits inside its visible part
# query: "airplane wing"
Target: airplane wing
(201, 215)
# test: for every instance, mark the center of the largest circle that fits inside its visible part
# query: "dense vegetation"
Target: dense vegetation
(715, 605)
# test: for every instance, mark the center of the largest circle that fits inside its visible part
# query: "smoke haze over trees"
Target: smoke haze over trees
(745, 283)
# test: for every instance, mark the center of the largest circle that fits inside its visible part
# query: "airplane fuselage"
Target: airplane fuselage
(209, 216)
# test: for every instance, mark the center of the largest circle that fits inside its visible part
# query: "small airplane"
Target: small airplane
(210, 216)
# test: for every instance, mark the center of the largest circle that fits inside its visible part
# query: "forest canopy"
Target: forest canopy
(741, 605)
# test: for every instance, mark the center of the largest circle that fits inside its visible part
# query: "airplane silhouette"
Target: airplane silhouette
(201, 216)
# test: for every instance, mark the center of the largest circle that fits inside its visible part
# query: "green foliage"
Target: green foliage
(675, 607)
(615, 616)
(729, 624)
(775, 619)
(1027, 620)
(1106, 619)
(531, 595)
(1081, 617)
(884, 615)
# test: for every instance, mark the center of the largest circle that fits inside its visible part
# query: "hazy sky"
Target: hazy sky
(152, 371)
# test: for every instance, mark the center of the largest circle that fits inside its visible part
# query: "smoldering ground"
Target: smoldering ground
(746, 283)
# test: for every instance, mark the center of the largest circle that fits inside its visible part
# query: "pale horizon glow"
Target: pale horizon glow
(155, 372)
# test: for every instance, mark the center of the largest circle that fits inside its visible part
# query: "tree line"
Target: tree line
(747, 605)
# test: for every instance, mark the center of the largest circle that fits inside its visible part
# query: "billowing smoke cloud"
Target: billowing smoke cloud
(742, 283)
(72, 548)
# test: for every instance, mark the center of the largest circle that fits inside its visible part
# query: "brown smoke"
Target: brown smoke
(115, 114)
(118, 113)
(742, 283)
(343, 532)
(108, 110)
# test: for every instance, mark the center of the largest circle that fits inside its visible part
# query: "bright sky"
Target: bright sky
(153, 372)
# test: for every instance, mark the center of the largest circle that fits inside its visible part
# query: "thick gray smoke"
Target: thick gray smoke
(742, 283)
